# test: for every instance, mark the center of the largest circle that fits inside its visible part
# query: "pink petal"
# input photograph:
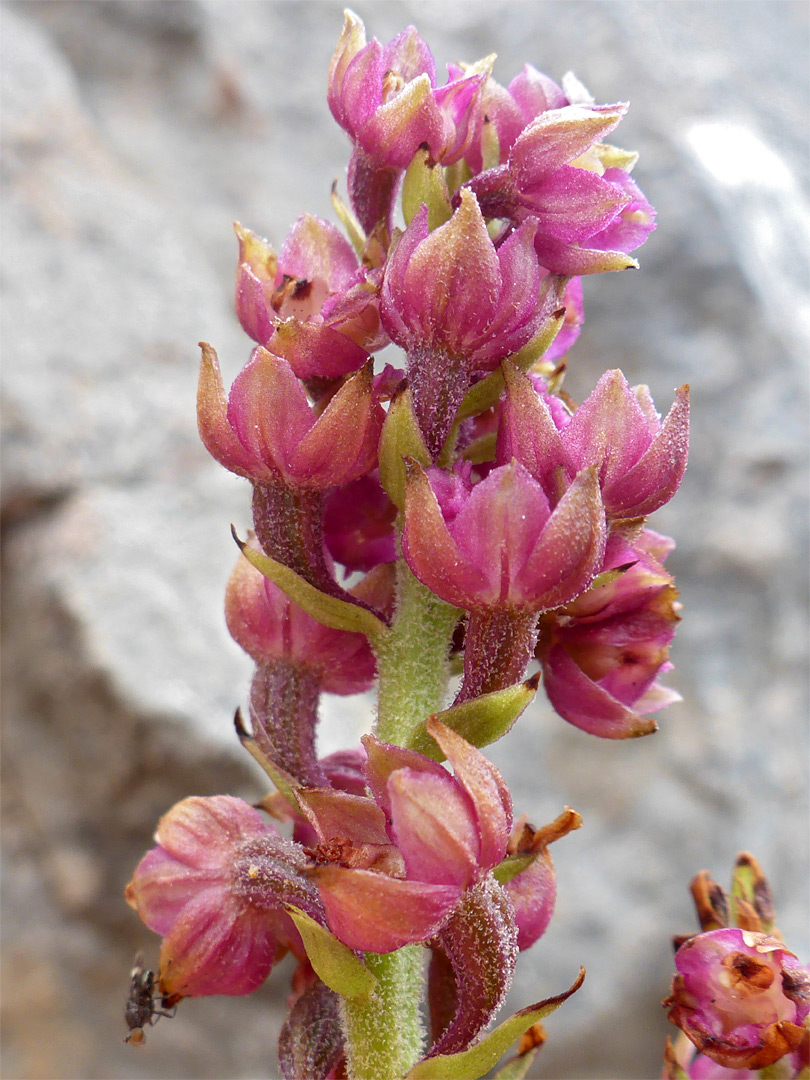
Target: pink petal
(585, 704)
(201, 832)
(268, 409)
(569, 550)
(657, 475)
(216, 948)
(375, 913)
(430, 550)
(215, 428)
(316, 250)
(572, 204)
(485, 787)
(434, 826)
(557, 137)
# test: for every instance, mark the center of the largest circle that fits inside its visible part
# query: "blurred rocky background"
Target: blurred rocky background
(133, 134)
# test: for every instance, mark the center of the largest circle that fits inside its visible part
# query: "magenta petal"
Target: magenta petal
(557, 137)
(657, 475)
(585, 704)
(485, 787)
(379, 914)
(434, 826)
(215, 947)
(533, 893)
(572, 204)
(315, 250)
(630, 228)
(535, 93)
(268, 409)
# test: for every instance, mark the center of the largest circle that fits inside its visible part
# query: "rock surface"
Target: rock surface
(133, 133)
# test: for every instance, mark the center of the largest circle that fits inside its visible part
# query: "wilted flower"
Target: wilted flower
(740, 996)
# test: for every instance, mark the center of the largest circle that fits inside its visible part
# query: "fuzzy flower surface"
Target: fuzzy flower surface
(215, 888)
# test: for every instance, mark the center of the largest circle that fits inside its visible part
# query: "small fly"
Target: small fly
(144, 1004)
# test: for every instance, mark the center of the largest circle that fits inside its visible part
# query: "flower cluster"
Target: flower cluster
(476, 507)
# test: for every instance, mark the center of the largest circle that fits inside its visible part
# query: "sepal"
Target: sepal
(481, 721)
(331, 960)
(479, 1059)
(400, 439)
(329, 610)
(311, 1041)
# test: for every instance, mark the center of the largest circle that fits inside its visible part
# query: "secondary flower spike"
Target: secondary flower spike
(215, 888)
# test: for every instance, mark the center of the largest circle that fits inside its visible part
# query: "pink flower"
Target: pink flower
(359, 524)
(385, 97)
(602, 653)
(215, 888)
(741, 997)
(445, 832)
(274, 630)
(458, 306)
(314, 305)
(640, 460)
(560, 175)
(267, 431)
(499, 544)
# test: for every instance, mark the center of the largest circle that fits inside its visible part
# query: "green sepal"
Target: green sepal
(333, 962)
(284, 781)
(484, 394)
(479, 1059)
(511, 866)
(424, 183)
(517, 1067)
(328, 610)
(613, 157)
(349, 222)
(481, 721)
(490, 145)
(481, 449)
(400, 438)
(750, 887)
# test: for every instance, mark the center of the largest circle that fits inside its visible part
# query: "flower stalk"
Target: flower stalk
(485, 520)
